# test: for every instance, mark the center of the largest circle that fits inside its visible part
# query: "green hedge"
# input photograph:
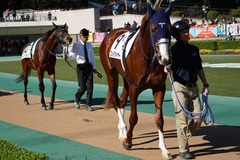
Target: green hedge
(217, 45)
(13, 151)
(210, 45)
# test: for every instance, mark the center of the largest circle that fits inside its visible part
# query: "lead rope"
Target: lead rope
(65, 52)
(205, 113)
(208, 117)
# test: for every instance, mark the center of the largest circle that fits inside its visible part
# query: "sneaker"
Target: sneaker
(77, 105)
(88, 108)
(186, 155)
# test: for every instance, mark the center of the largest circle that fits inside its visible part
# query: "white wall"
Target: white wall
(78, 19)
(75, 19)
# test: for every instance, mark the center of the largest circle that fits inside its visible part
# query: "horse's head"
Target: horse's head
(160, 29)
(62, 34)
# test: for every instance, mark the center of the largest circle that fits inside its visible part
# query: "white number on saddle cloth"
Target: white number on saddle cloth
(119, 45)
(29, 50)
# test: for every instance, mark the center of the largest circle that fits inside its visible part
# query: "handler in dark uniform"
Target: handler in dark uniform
(82, 52)
(186, 67)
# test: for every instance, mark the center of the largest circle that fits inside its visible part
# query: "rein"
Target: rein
(50, 51)
(205, 113)
(64, 53)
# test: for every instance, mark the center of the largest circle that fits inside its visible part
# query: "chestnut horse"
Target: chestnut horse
(143, 68)
(44, 59)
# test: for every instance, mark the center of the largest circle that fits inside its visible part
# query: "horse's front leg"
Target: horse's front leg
(42, 88)
(133, 119)
(158, 99)
(54, 87)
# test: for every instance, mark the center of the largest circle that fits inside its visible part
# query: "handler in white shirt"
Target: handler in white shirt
(82, 52)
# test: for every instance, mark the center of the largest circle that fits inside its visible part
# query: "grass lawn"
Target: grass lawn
(223, 81)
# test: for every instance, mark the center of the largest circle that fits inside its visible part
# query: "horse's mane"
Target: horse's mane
(47, 34)
(145, 21)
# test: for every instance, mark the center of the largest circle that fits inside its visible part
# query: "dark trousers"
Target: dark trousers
(85, 83)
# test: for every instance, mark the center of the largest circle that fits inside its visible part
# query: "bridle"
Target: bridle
(152, 59)
(60, 39)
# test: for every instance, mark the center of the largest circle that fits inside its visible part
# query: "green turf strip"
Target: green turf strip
(56, 148)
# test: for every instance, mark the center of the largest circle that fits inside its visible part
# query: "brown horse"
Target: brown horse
(43, 59)
(143, 68)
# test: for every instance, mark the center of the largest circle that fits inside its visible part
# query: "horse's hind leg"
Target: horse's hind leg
(25, 75)
(122, 127)
(158, 99)
(25, 93)
(112, 79)
(133, 119)
(124, 95)
(112, 98)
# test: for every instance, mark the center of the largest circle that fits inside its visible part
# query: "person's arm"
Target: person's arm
(203, 78)
(71, 55)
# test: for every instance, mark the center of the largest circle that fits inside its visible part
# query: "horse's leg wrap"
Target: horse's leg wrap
(122, 128)
(166, 155)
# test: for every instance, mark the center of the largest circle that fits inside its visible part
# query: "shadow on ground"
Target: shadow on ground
(221, 139)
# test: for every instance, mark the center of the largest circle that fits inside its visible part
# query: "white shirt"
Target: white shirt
(78, 54)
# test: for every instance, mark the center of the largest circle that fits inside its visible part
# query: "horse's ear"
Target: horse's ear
(150, 10)
(65, 26)
(54, 25)
(169, 9)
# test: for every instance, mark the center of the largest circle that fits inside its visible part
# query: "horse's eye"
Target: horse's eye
(154, 29)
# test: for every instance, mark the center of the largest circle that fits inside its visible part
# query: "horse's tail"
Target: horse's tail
(20, 77)
(108, 102)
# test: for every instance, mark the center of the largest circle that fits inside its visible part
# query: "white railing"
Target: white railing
(28, 15)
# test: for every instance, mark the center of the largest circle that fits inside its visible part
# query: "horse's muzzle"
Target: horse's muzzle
(67, 41)
(163, 60)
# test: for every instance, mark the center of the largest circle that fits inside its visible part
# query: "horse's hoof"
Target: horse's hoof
(51, 107)
(26, 102)
(167, 156)
(44, 108)
(126, 146)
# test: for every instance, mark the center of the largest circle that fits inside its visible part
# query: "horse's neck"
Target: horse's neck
(51, 42)
(145, 41)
